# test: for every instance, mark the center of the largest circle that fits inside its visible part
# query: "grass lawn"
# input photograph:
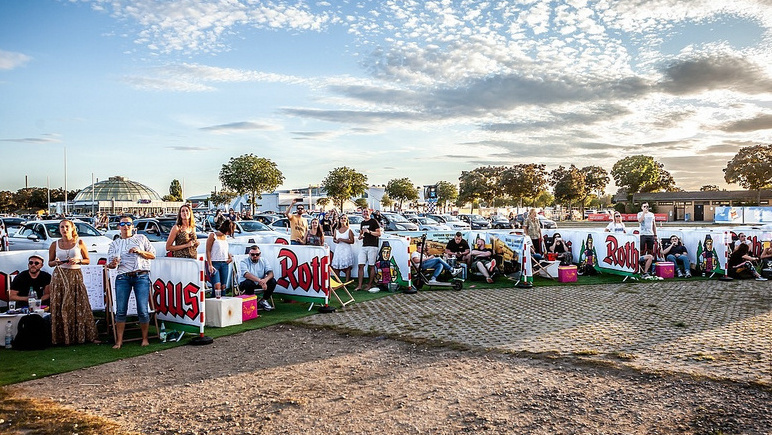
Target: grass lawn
(19, 366)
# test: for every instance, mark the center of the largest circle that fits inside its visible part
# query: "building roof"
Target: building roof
(118, 189)
(715, 195)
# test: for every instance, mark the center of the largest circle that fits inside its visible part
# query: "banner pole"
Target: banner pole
(726, 276)
(201, 339)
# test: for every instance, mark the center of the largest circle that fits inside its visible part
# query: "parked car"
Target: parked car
(544, 222)
(475, 221)
(158, 229)
(41, 234)
(428, 224)
(267, 219)
(500, 222)
(282, 224)
(12, 224)
(453, 222)
(396, 222)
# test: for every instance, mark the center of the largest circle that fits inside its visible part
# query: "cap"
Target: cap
(38, 256)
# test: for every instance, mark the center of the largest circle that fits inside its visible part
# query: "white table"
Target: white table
(222, 312)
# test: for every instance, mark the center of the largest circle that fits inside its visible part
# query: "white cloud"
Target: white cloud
(10, 60)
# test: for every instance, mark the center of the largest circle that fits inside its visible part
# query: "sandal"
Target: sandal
(490, 280)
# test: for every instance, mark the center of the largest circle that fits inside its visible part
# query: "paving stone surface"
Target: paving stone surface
(717, 329)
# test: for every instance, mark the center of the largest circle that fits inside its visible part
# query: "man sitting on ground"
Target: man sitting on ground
(432, 262)
(33, 277)
(257, 275)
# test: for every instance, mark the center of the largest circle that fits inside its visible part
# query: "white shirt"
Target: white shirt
(647, 225)
(616, 227)
(130, 262)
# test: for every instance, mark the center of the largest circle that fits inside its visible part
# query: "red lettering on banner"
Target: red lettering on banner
(175, 300)
(306, 276)
(625, 256)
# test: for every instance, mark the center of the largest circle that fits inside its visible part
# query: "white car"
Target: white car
(453, 222)
(39, 235)
(428, 224)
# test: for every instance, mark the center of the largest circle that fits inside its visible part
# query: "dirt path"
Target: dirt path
(289, 379)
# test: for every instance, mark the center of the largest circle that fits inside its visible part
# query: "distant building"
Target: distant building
(118, 195)
(696, 206)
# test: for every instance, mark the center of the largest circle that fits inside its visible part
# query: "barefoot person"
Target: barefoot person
(131, 255)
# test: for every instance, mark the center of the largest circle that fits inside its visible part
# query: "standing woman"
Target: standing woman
(71, 318)
(218, 259)
(532, 228)
(182, 241)
(343, 237)
(315, 235)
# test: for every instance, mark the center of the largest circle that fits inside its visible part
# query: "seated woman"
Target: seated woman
(431, 262)
(482, 259)
(766, 258)
(560, 248)
(741, 264)
(676, 253)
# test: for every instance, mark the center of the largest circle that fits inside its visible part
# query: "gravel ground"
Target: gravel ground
(292, 379)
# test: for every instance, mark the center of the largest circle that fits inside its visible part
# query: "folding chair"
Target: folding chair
(545, 268)
(336, 284)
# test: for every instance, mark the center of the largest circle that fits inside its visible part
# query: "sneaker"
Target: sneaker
(646, 276)
(374, 289)
(457, 271)
(680, 274)
(265, 305)
(688, 275)
(489, 280)
(491, 265)
(761, 278)
(433, 281)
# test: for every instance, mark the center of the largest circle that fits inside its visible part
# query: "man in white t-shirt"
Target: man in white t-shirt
(648, 229)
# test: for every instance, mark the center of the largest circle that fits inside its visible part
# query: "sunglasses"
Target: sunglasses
(125, 224)
(35, 263)
(254, 255)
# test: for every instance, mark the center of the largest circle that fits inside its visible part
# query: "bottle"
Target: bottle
(8, 337)
(162, 333)
(32, 299)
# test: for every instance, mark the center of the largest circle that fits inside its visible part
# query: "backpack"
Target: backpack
(33, 333)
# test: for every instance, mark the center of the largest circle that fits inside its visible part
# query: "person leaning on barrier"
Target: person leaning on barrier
(32, 277)
(130, 254)
(677, 254)
(257, 275)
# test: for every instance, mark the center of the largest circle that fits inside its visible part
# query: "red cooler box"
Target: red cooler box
(248, 307)
(567, 273)
(664, 269)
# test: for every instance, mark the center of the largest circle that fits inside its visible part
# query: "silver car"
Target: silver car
(41, 234)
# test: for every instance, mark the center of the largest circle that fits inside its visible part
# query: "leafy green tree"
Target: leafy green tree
(544, 199)
(401, 190)
(361, 203)
(344, 183)
(175, 190)
(568, 184)
(222, 197)
(251, 174)
(709, 188)
(751, 167)
(481, 183)
(595, 180)
(323, 201)
(447, 193)
(8, 201)
(524, 181)
(641, 173)
(386, 201)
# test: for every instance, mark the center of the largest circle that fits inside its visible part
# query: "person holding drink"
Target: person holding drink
(130, 255)
(182, 241)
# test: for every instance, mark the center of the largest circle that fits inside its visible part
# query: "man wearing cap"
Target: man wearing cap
(130, 255)
(298, 224)
(33, 277)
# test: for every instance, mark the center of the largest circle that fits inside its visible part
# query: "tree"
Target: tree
(175, 191)
(361, 203)
(595, 179)
(323, 201)
(544, 199)
(641, 173)
(251, 174)
(751, 167)
(222, 197)
(524, 181)
(709, 188)
(386, 202)
(401, 190)
(568, 184)
(344, 183)
(447, 192)
(481, 183)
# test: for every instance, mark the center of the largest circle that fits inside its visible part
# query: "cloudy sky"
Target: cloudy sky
(158, 90)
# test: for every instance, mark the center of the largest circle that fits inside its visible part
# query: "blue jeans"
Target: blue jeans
(123, 285)
(438, 264)
(683, 260)
(221, 275)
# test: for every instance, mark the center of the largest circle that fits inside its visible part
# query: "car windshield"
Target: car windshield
(396, 218)
(354, 219)
(449, 218)
(167, 225)
(84, 230)
(477, 217)
(253, 226)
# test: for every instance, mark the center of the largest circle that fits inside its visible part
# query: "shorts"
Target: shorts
(368, 255)
(647, 240)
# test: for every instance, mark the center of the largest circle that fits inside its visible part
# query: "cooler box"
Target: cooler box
(223, 312)
(248, 307)
(664, 269)
(567, 273)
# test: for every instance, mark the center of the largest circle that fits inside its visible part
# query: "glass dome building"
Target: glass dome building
(118, 189)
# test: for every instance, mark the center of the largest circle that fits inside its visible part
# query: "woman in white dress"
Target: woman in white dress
(343, 238)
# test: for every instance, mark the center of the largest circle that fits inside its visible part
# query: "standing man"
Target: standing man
(33, 277)
(257, 275)
(298, 224)
(131, 255)
(648, 229)
(369, 234)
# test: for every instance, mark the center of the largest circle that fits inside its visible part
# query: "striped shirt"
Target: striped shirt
(130, 262)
